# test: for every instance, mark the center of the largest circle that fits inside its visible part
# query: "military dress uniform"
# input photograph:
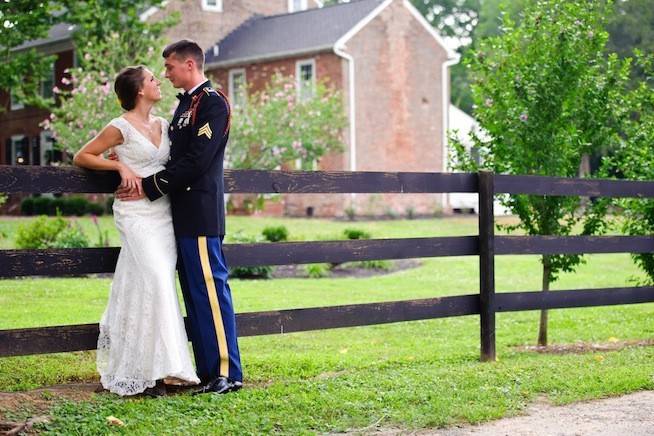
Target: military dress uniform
(193, 179)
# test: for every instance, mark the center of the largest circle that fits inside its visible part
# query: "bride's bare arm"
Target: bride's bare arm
(90, 156)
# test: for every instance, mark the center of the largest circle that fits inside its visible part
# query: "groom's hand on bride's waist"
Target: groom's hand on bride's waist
(130, 194)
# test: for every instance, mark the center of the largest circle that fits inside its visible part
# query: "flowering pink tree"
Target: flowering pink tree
(276, 126)
(86, 96)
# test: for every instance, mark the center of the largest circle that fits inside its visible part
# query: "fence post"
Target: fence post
(487, 265)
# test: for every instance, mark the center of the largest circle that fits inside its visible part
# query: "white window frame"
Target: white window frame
(15, 104)
(230, 86)
(298, 79)
(218, 7)
(14, 139)
(46, 144)
(52, 75)
(303, 6)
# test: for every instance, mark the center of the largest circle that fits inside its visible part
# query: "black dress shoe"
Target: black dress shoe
(158, 390)
(219, 385)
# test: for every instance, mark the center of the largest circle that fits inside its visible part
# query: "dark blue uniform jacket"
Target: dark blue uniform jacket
(193, 177)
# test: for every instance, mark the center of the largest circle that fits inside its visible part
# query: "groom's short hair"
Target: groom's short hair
(185, 49)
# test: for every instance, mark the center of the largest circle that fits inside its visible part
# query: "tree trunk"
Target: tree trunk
(542, 330)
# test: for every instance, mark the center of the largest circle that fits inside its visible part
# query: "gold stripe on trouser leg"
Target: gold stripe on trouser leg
(215, 307)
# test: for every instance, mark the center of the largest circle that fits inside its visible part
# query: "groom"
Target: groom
(193, 179)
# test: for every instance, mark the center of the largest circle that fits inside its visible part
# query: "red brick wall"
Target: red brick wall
(26, 121)
(207, 27)
(398, 106)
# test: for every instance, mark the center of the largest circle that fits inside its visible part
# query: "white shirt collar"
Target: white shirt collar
(192, 90)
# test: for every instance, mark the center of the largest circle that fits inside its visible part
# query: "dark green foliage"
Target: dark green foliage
(275, 233)
(66, 206)
(356, 234)
(248, 272)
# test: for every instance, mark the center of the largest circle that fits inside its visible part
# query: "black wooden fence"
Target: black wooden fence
(59, 262)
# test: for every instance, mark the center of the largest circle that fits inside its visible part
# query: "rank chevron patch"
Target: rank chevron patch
(205, 130)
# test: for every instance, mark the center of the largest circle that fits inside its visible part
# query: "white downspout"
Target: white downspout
(352, 115)
(445, 86)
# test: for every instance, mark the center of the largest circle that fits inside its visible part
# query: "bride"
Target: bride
(142, 343)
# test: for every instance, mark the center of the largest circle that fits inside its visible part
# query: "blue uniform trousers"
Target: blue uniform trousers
(208, 299)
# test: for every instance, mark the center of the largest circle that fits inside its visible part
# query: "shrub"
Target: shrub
(95, 209)
(75, 206)
(27, 206)
(356, 234)
(43, 206)
(46, 232)
(65, 206)
(374, 264)
(317, 270)
(275, 233)
(350, 213)
(72, 236)
(248, 272)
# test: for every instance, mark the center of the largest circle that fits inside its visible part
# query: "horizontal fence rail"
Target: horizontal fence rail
(74, 180)
(62, 262)
(84, 337)
(77, 261)
(543, 185)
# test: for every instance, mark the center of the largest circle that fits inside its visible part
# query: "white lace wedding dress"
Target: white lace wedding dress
(142, 336)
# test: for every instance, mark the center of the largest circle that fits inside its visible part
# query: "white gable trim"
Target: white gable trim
(429, 28)
(361, 24)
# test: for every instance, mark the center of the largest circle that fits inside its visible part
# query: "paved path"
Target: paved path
(629, 415)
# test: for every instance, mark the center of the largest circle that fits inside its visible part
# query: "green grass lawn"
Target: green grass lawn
(412, 375)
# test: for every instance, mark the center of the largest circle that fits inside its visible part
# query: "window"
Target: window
(305, 76)
(20, 150)
(237, 87)
(14, 103)
(212, 5)
(48, 83)
(48, 153)
(297, 5)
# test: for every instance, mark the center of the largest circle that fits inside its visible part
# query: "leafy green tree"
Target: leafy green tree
(109, 36)
(632, 28)
(456, 18)
(545, 95)
(94, 22)
(275, 126)
(22, 71)
(633, 160)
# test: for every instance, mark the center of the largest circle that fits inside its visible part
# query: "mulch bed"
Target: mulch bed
(585, 347)
(350, 269)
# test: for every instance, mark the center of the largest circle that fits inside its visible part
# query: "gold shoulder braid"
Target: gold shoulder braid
(196, 101)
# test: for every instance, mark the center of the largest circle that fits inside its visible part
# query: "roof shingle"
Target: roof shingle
(279, 35)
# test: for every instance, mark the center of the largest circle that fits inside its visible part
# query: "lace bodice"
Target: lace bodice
(138, 152)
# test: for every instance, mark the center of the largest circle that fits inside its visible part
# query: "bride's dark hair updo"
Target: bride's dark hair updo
(127, 85)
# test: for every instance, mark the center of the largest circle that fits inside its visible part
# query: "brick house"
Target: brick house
(385, 58)
(391, 68)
